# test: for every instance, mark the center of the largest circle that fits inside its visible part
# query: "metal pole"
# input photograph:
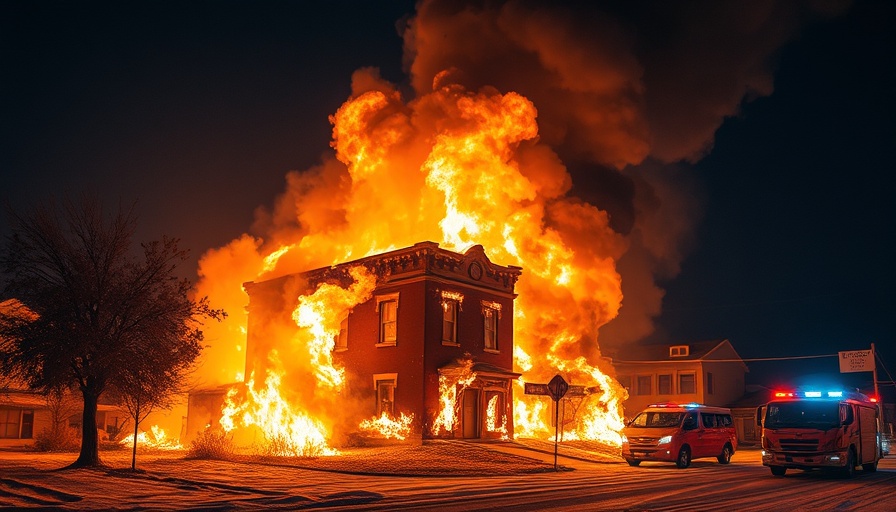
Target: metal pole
(874, 361)
(556, 429)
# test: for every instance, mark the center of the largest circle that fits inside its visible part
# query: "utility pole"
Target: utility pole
(874, 373)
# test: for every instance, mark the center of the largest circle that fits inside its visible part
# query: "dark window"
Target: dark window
(388, 321)
(626, 382)
(449, 321)
(490, 320)
(687, 384)
(644, 387)
(342, 337)
(385, 397)
(27, 425)
(709, 385)
(664, 384)
(9, 423)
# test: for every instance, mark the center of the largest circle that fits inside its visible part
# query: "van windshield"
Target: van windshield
(657, 419)
(802, 414)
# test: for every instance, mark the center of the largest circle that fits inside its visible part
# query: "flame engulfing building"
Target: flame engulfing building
(427, 341)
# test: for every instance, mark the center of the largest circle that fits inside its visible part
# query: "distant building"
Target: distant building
(434, 313)
(706, 372)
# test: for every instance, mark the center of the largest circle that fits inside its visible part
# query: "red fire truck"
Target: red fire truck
(827, 430)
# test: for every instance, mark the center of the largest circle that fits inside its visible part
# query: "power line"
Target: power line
(742, 360)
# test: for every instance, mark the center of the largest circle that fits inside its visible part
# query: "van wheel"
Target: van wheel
(725, 456)
(778, 470)
(850, 470)
(871, 467)
(684, 457)
(633, 462)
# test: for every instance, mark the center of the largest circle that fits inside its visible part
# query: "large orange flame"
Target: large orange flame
(460, 168)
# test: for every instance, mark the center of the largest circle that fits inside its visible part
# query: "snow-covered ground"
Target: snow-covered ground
(444, 476)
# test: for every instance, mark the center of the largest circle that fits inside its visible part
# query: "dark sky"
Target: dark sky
(197, 110)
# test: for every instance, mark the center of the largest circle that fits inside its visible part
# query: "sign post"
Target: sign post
(558, 387)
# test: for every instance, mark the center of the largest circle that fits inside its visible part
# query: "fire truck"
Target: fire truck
(834, 430)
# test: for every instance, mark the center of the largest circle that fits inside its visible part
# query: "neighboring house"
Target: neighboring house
(706, 372)
(26, 414)
(434, 313)
(22, 415)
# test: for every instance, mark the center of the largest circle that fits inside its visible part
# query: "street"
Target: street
(743, 485)
(171, 482)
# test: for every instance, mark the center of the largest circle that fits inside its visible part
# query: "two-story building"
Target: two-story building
(706, 372)
(434, 315)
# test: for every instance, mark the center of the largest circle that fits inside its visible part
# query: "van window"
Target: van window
(709, 420)
(690, 422)
(724, 420)
(657, 419)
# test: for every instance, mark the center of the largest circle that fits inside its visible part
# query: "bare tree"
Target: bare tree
(92, 310)
(143, 388)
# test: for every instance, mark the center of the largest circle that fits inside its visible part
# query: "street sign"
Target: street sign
(532, 388)
(558, 387)
(857, 361)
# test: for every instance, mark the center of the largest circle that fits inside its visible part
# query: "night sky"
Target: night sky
(197, 110)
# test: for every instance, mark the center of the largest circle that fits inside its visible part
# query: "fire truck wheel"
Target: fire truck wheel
(871, 467)
(633, 462)
(725, 456)
(684, 457)
(850, 470)
(778, 470)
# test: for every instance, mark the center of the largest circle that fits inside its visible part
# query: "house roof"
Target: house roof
(423, 258)
(697, 351)
(20, 398)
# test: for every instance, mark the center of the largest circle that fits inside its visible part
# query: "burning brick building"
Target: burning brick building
(427, 342)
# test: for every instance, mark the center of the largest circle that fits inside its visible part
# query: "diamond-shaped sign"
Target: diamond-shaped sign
(558, 387)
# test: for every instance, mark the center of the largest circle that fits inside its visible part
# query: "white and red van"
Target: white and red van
(679, 433)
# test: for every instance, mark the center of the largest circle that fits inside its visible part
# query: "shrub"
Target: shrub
(212, 444)
(59, 439)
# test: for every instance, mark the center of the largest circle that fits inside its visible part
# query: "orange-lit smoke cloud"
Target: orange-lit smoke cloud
(542, 133)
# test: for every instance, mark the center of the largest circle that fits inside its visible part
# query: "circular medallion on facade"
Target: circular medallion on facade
(475, 270)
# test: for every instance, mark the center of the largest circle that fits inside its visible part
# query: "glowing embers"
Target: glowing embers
(387, 427)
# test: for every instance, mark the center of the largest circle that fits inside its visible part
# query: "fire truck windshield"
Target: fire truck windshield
(803, 414)
(657, 419)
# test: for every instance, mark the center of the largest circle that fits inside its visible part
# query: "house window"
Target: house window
(687, 384)
(709, 384)
(664, 384)
(644, 385)
(16, 424)
(490, 313)
(449, 321)
(388, 309)
(679, 351)
(626, 382)
(384, 385)
(341, 343)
